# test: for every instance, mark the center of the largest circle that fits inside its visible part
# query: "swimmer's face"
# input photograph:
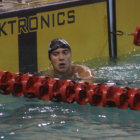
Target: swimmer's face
(61, 59)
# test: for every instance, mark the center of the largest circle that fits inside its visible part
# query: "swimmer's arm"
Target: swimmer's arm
(88, 78)
(87, 75)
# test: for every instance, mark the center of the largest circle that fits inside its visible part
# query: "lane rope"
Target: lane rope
(54, 89)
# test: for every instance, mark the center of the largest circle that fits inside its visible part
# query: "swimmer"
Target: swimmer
(59, 52)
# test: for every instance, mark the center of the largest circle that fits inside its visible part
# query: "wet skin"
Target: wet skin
(61, 60)
(62, 67)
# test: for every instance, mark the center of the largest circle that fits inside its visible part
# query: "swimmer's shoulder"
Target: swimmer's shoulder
(84, 73)
(81, 69)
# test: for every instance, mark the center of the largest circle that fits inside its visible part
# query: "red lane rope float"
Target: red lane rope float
(137, 36)
(54, 89)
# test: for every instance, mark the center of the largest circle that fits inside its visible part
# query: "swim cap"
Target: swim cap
(58, 43)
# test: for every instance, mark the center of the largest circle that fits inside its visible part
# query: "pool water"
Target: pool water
(33, 119)
(125, 72)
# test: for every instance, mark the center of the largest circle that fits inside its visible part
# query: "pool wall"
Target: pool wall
(127, 19)
(27, 29)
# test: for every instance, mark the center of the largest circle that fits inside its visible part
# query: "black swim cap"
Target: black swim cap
(58, 43)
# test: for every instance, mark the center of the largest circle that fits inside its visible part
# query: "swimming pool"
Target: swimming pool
(22, 118)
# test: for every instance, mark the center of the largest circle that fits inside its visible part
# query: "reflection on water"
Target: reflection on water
(22, 118)
(122, 73)
(39, 119)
